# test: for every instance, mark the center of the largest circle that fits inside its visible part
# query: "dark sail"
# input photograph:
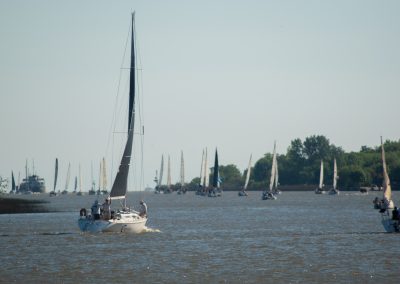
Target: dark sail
(12, 182)
(216, 171)
(76, 183)
(120, 184)
(55, 175)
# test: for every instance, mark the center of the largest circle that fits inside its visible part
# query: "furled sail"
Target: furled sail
(120, 185)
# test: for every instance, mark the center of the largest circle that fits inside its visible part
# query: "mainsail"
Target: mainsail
(216, 171)
(161, 171)
(321, 175)
(169, 173)
(182, 170)
(201, 169)
(68, 176)
(13, 188)
(120, 185)
(248, 174)
(55, 175)
(335, 176)
(273, 169)
(276, 172)
(206, 172)
(387, 189)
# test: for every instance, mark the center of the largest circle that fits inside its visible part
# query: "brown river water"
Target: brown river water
(299, 238)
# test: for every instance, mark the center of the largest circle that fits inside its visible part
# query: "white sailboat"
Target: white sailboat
(268, 194)
(169, 184)
(334, 190)
(80, 193)
(389, 222)
(275, 190)
(159, 180)
(320, 190)
(65, 191)
(200, 189)
(124, 219)
(182, 189)
(243, 191)
(92, 190)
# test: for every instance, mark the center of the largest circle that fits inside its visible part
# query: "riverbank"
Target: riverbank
(11, 205)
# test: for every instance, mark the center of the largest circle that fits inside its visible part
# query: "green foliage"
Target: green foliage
(301, 165)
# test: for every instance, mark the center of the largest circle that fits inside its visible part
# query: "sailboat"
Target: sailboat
(275, 190)
(334, 190)
(92, 190)
(13, 187)
(65, 191)
(200, 189)
(182, 189)
(80, 193)
(389, 222)
(169, 184)
(76, 184)
(54, 193)
(320, 190)
(206, 175)
(243, 191)
(124, 219)
(268, 194)
(159, 180)
(216, 190)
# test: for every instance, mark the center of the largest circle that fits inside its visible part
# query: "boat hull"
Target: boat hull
(390, 225)
(125, 222)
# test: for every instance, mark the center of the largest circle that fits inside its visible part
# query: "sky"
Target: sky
(232, 75)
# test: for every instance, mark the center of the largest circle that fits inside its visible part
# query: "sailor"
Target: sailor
(106, 206)
(143, 209)
(96, 210)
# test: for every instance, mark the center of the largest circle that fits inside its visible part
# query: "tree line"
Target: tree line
(301, 166)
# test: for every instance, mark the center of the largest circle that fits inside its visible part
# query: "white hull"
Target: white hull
(390, 225)
(129, 222)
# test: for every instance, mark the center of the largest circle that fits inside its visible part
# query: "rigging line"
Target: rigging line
(113, 118)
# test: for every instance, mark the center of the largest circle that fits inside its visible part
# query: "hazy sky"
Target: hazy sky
(236, 75)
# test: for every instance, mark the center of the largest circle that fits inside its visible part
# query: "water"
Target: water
(299, 238)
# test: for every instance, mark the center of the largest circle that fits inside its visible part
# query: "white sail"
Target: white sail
(169, 173)
(321, 175)
(68, 176)
(161, 171)
(248, 174)
(201, 168)
(335, 176)
(276, 172)
(182, 170)
(273, 169)
(387, 189)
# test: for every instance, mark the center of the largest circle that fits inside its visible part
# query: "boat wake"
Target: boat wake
(150, 230)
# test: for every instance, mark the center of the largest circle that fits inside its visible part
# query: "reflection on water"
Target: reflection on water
(299, 238)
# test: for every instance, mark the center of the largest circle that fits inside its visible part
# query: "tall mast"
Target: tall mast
(182, 170)
(132, 77)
